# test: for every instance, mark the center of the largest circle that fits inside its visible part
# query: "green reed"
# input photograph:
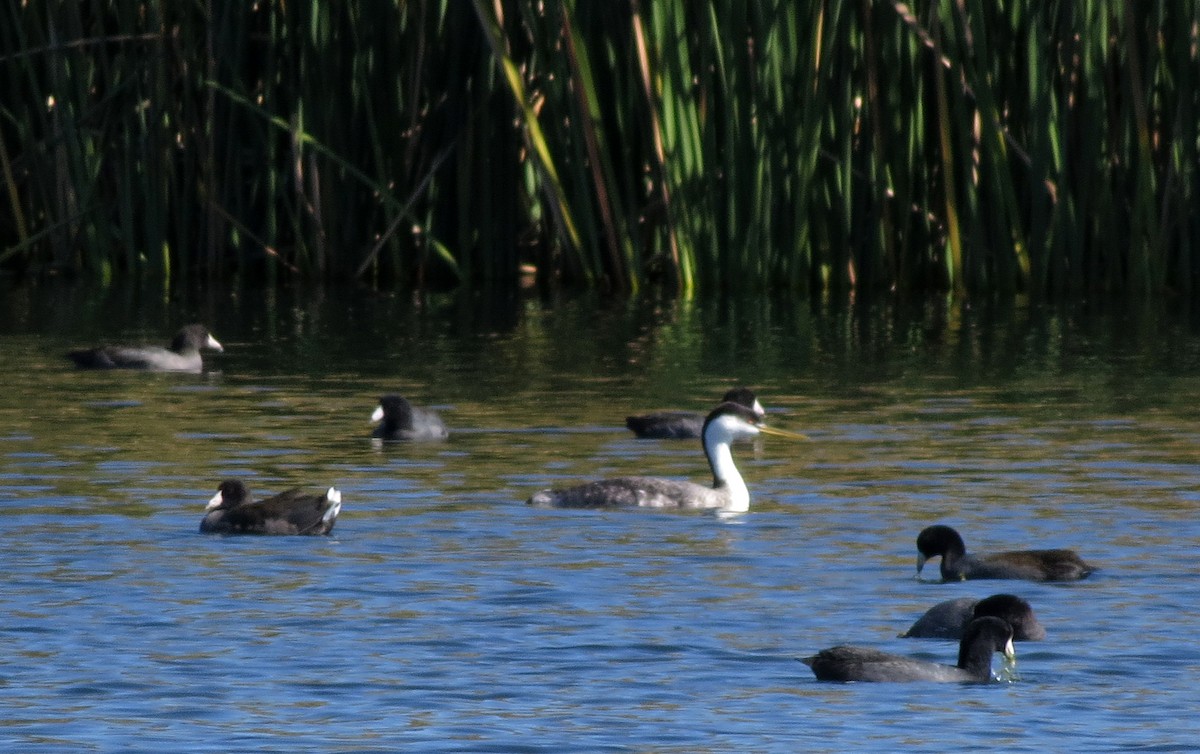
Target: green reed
(1046, 147)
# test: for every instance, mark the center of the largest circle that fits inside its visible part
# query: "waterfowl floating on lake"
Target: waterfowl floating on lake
(982, 637)
(232, 511)
(686, 425)
(400, 420)
(1030, 565)
(728, 493)
(183, 355)
(948, 620)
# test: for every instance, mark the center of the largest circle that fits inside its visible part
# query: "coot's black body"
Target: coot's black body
(686, 425)
(982, 637)
(183, 355)
(231, 511)
(1030, 565)
(400, 420)
(948, 620)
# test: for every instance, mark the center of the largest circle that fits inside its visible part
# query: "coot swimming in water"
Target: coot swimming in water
(948, 620)
(231, 511)
(1031, 565)
(686, 425)
(982, 637)
(183, 355)
(400, 420)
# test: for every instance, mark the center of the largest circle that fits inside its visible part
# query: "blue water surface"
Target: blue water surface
(443, 614)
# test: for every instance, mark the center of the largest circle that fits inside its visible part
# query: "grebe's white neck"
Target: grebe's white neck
(727, 477)
(719, 434)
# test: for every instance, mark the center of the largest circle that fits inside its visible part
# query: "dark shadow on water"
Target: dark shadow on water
(659, 342)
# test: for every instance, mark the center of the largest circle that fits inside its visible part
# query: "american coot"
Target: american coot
(182, 356)
(1031, 565)
(686, 425)
(726, 423)
(400, 420)
(982, 637)
(231, 511)
(948, 620)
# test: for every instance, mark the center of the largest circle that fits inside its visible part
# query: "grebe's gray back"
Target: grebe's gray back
(686, 425)
(400, 420)
(728, 493)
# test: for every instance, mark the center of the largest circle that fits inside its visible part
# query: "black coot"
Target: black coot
(183, 355)
(1031, 565)
(686, 425)
(982, 637)
(231, 511)
(948, 620)
(400, 420)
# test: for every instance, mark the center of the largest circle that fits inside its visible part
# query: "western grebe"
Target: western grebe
(726, 423)
(231, 511)
(948, 620)
(1031, 565)
(982, 637)
(686, 425)
(400, 420)
(182, 356)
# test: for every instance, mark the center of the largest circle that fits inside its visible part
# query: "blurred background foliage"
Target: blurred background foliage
(1038, 146)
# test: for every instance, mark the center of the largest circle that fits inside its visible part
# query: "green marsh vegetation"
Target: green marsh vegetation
(1039, 146)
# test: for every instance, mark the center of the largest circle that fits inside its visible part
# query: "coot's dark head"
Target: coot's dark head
(938, 540)
(230, 494)
(395, 411)
(733, 409)
(193, 338)
(1015, 611)
(744, 396)
(982, 637)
